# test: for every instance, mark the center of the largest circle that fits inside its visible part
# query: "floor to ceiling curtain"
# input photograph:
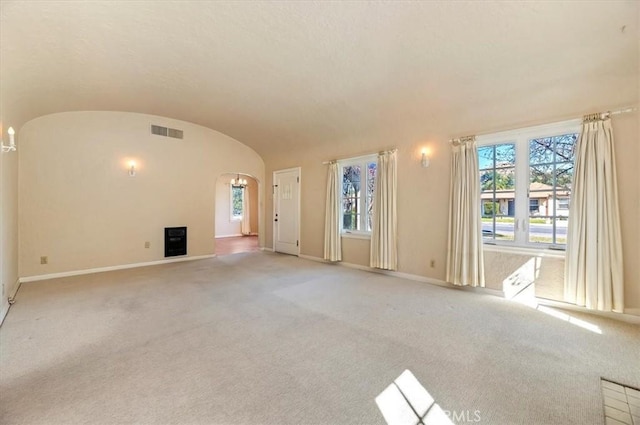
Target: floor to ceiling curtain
(465, 263)
(245, 227)
(593, 265)
(384, 231)
(332, 241)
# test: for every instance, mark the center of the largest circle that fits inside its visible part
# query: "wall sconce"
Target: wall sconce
(12, 141)
(132, 168)
(425, 158)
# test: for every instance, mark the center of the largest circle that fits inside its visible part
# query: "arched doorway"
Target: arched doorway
(236, 220)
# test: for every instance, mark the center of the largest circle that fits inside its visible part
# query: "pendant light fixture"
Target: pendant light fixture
(241, 183)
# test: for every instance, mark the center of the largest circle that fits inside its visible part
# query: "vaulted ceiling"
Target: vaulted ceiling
(288, 75)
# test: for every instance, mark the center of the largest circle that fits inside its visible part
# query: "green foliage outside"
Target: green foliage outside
(236, 197)
(501, 180)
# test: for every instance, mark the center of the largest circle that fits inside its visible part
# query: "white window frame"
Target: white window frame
(361, 161)
(520, 138)
(231, 216)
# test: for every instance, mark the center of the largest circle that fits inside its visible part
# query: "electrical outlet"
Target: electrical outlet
(433, 263)
(147, 244)
(44, 260)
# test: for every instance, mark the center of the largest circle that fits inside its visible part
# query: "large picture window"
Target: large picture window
(526, 178)
(358, 185)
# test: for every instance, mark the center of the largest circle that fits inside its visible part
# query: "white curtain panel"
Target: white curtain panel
(465, 263)
(332, 241)
(593, 265)
(245, 227)
(384, 232)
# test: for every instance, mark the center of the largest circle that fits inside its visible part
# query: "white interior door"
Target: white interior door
(286, 211)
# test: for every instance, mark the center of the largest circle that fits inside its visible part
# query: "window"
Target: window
(534, 206)
(237, 195)
(525, 179)
(358, 185)
(550, 177)
(563, 204)
(497, 164)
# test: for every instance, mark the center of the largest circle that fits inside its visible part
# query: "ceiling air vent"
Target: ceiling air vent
(166, 132)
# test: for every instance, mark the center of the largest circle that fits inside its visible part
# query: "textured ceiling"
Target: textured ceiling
(288, 75)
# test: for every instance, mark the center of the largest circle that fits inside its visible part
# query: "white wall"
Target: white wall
(79, 206)
(8, 225)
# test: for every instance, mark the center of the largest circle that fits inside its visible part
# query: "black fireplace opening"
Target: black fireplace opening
(175, 241)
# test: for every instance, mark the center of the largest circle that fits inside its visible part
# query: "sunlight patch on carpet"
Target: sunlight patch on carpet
(573, 320)
(407, 402)
(527, 297)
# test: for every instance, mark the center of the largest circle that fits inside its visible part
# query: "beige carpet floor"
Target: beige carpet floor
(262, 338)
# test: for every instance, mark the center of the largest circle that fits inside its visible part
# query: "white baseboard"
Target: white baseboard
(228, 236)
(12, 294)
(111, 268)
(630, 315)
(16, 286)
(379, 271)
(316, 259)
(264, 248)
(408, 276)
(3, 313)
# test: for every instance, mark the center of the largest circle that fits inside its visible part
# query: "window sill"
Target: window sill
(539, 252)
(355, 235)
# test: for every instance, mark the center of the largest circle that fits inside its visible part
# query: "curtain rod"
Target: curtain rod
(360, 156)
(619, 111)
(602, 115)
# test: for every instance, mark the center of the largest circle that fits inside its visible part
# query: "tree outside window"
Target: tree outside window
(358, 185)
(497, 164)
(551, 176)
(526, 179)
(237, 195)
